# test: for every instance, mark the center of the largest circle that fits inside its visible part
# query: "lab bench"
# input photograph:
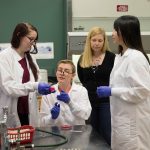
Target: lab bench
(79, 138)
(57, 138)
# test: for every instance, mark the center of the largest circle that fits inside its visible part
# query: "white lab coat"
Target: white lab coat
(130, 102)
(74, 113)
(11, 88)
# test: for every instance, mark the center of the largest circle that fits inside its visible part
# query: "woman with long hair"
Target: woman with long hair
(129, 88)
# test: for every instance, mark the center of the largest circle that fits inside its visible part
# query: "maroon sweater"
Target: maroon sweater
(23, 107)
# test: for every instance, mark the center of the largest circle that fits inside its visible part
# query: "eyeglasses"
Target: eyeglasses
(34, 51)
(33, 41)
(64, 71)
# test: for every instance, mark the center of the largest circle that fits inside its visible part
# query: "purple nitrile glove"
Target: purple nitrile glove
(45, 88)
(64, 97)
(55, 111)
(103, 91)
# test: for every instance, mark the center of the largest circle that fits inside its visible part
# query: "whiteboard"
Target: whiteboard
(108, 8)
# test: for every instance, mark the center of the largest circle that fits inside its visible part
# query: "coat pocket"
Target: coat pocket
(121, 130)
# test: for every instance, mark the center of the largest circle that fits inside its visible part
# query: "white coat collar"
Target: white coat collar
(73, 87)
(127, 52)
(16, 55)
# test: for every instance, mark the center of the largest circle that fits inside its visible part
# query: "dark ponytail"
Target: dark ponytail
(32, 66)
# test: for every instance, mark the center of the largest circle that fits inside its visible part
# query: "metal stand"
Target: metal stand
(3, 131)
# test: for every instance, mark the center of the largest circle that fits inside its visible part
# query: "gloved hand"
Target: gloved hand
(103, 91)
(55, 111)
(45, 88)
(64, 97)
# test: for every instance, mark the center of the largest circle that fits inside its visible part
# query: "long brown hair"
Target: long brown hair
(20, 31)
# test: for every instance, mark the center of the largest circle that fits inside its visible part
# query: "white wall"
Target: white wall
(89, 13)
(107, 8)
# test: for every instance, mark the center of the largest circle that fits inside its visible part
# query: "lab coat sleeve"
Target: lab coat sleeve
(12, 87)
(47, 104)
(80, 105)
(45, 116)
(138, 78)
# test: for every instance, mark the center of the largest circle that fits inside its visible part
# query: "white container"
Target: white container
(43, 75)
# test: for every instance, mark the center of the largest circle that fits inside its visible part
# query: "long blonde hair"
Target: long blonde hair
(86, 57)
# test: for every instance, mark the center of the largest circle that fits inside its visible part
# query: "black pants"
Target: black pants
(101, 121)
(24, 119)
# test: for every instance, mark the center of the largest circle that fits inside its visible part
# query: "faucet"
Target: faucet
(3, 130)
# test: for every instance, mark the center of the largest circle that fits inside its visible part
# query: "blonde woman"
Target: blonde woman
(94, 67)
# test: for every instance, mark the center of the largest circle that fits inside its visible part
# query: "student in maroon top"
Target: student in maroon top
(19, 76)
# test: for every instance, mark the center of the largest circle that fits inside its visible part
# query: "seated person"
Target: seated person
(70, 104)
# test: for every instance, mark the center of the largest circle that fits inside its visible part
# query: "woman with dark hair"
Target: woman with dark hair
(129, 88)
(19, 76)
